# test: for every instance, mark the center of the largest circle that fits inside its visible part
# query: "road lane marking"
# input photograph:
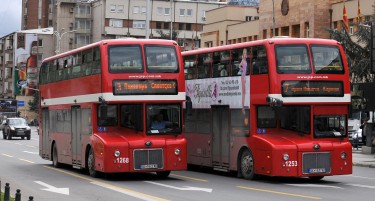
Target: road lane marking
(280, 193)
(184, 188)
(112, 187)
(314, 186)
(359, 177)
(25, 160)
(360, 185)
(7, 155)
(191, 178)
(29, 152)
(50, 188)
(128, 192)
(31, 146)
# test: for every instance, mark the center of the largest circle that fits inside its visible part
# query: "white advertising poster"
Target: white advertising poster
(219, 91)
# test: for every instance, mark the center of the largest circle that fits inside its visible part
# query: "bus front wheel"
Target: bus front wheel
(91, 164)
(247, 164)
(55, 161)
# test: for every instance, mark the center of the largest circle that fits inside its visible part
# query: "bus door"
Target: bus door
(76, 136)
(220, 137)
(44, 147)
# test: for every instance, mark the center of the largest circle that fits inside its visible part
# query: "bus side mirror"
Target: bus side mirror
(189, 106)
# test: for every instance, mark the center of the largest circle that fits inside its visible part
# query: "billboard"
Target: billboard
(26, 71)
(8, 108)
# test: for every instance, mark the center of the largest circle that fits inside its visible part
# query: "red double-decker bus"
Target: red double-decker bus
(275, 107)
(114, 106)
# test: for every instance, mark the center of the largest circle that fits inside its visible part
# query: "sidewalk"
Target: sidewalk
(364, 160)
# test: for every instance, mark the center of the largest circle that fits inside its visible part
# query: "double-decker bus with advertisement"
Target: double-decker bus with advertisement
(114, 106)
(274, 107)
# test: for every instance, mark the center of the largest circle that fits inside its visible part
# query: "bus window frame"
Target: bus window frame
(139, 69)
(303, 63)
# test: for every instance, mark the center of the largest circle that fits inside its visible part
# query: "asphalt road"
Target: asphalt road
(21, 166)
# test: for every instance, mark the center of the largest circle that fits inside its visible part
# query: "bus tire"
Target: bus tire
(55, 161)
(91, 164)
(247, 165)
(163, 175)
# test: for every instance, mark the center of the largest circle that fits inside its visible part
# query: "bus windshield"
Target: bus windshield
(327, 59)
(292, 59)
(161, 59)
(295, 118)
(162, 118)
(327, 126)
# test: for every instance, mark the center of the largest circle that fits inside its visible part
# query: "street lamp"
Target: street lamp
(59, 36)
(273, 17)
(171, 18)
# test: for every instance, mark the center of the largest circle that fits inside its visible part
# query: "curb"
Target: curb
(364, 165)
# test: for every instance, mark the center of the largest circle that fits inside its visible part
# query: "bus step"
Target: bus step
(221, 169)
(77, 166)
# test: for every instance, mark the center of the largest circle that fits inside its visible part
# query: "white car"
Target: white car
(355, 137)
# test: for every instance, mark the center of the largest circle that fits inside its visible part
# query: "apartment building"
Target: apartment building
(293, 18)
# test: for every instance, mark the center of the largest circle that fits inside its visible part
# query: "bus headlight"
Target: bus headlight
(177, 152)
(286, 157)
(117, 153)
(343, 155)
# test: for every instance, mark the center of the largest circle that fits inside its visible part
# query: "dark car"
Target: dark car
(16, 127)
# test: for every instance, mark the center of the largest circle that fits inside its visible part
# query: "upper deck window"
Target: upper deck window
(292, 59)
(190, 67)
(125, 59)
(161, 59)
(327, 59)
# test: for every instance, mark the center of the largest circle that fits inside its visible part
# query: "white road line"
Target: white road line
(25, 160)
(128, 192)
(29, 152)
(314, 186)
(7, 155)
(362, 186)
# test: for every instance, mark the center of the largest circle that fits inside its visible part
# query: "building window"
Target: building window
(83, 24)
(351, 30)
(167, 11)
(83, 39)
(115, 23)
(85, 9)
(40, 57)
(136, 9)
(181, 26)
(144, 10)
(182, 12)
(113, 8)
(188, 27)
(159, 10)
(158, 25)
(120, 8)
(139, 24)
(189, 12)
(166, 25)
(40, 43)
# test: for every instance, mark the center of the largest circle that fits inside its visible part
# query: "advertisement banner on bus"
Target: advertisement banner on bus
(224, 91)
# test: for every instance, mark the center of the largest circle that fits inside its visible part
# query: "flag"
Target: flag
(359, 13)
(345, 19)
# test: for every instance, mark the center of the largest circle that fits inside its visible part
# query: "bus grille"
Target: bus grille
(148, 159)
(316, 163)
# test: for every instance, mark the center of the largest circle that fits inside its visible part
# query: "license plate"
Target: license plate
(317, 170)
(21, 133)
(149, 166)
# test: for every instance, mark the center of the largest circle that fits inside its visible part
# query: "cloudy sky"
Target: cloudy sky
(10, 16)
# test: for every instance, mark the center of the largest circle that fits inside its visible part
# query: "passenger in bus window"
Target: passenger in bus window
(223, 71)
(243, 68)
(159, 122)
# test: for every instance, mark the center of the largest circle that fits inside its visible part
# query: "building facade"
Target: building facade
(293, 18)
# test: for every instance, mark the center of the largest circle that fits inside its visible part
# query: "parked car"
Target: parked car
(16, 127)
(355, 137)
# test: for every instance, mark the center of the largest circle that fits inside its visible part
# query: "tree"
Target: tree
(168, 34)
(358, 50)
(34, 103)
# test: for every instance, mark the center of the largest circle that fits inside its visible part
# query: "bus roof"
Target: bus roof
(275, 40)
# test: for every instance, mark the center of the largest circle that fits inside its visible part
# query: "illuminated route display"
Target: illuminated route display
(145, 87)
(312, 88)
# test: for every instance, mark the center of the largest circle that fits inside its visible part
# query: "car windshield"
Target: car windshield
(18, 122)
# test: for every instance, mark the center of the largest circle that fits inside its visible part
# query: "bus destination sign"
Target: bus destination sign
(293, 88)
(145, 87)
